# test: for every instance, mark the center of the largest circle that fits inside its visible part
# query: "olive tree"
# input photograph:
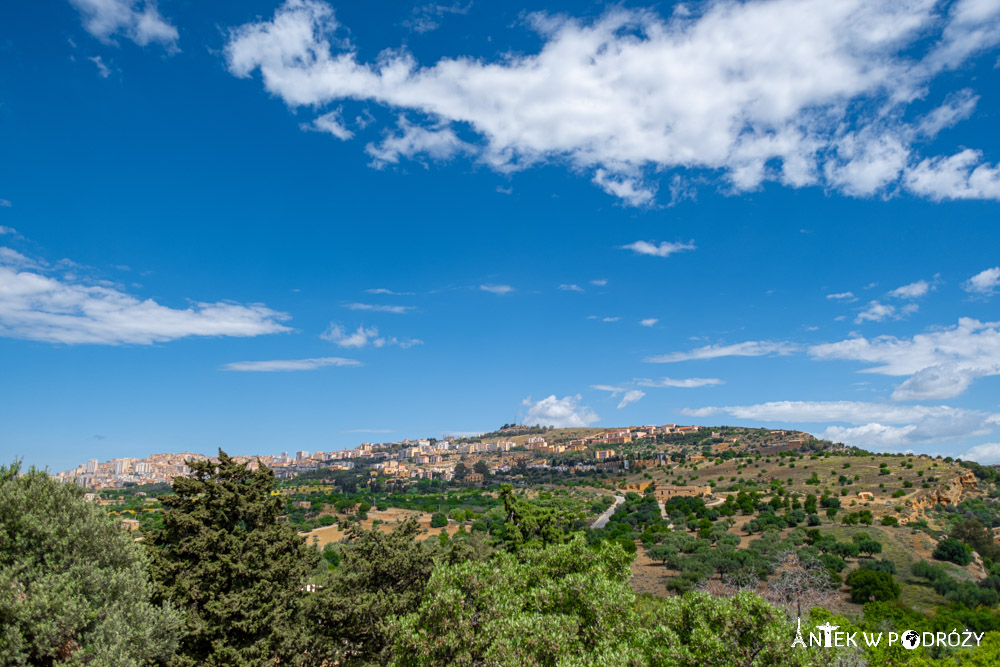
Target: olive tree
(74, 588)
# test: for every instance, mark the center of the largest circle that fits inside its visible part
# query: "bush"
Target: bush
(439, 520)
(627, 545)
(833, 563)
(952, 550)
(878, 566)
(872, 585)
(74, 588)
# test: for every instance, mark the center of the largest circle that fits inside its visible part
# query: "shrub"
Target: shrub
(74, 588)
(439, 520)
(878, 566)
(952, 550)
(872, 585)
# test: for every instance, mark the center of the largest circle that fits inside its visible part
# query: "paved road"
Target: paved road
(603, 519)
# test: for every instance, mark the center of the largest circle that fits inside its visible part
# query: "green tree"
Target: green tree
(74, 588)
(482, 468)
(950, 549)
(872, 585)
(662, 552)
(976, 535)
(539, 606)
(235, 573)
(381, 575)
(528, 523)
(461, 471)
(870, 547)
(439, 520)
(846, 549)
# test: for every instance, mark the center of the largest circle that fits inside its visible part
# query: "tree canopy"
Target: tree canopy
(74, 588)
(233, 570)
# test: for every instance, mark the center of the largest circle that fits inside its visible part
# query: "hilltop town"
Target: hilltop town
(537, 448)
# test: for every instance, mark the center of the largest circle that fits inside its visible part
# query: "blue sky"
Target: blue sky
(270, 226)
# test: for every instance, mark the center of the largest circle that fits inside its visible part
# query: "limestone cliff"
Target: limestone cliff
(947, 493)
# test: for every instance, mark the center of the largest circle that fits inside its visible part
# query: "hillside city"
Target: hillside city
(407, 459)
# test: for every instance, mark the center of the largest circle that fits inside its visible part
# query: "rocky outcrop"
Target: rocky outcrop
(948, 493)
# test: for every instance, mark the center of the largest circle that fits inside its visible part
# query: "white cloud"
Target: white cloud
(570, 288)
(382, 290)
(799, 92)
(685, 383)
(631, 396)
(851, 412)
(630, 188)
(600, 282)
(752, 348)
(279, 365)
(5, 203)
(960, 176)
(102, 69)
(360, 338)
(497, 289)
(15, 260)
(664, 249)
(563, 412)
(378, 308)
(942, 363)
(877, 424)
(138, 20)
(648, 322)
(36, 306)
(987, 453)
(610, 319)
(911, 291)
(957, 107)
(428, 17)
(871, 436)
(935, 382)
(437, 143)
(878, 312)
(842, 296)
(363, 336)
(984, 283)
(866, 161)
(331, 123)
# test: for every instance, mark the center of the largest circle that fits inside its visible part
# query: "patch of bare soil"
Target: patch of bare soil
(387, 519)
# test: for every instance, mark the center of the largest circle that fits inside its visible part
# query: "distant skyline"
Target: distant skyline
(275, 226)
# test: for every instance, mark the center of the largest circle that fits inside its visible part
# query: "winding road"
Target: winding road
(602, 520)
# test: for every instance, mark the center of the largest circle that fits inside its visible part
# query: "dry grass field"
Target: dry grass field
(861, 473)
(388, 520)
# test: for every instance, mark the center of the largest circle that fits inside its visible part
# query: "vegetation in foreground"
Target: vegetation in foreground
(224, 582)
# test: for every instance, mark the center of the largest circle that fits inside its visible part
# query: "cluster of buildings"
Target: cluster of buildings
(627, 435)
(117, 472)
(406, 459)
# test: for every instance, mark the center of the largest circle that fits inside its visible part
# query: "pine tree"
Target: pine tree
(235, 572)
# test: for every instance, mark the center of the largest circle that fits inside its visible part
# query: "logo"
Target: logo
(910, 639)
(826, 636)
